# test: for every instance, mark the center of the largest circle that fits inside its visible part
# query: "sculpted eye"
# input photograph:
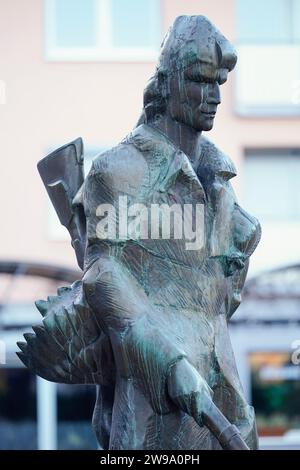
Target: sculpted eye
(200, 79)
(208, 80)
(194, 77)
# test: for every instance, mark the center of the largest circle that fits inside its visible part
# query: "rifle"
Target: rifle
(63, 176)
(191, 393)
(226, 433)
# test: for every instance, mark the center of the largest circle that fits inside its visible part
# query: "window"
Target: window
(271, 181)
(271, 192)
(268, 21)
(268, 69)
(102, 29)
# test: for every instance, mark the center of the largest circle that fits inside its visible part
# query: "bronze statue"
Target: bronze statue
(164, 248)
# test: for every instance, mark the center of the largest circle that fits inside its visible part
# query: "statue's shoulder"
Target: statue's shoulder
(120, 169)
(212, 159)
(118, 161)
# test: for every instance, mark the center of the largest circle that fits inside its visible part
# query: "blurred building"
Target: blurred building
(72, 68)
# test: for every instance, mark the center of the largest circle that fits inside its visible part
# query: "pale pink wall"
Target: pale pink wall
(51, 103)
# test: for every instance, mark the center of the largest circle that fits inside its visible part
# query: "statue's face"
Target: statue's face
(195, 95)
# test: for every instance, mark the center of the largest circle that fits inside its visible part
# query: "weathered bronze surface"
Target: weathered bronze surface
(147, 323)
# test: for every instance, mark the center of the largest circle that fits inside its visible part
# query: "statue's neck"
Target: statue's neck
(184, 137)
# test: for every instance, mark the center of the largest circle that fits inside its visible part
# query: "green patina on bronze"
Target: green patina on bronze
(148, 321)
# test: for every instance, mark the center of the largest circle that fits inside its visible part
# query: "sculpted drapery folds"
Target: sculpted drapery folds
(164, 248)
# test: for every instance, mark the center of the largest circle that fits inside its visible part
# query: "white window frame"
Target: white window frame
(103, 50)
(265, 108)
(281, 154)
(288, 108)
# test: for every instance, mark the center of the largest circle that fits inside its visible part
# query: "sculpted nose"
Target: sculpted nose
(214, 96)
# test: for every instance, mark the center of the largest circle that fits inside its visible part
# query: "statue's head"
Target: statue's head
(195, 60)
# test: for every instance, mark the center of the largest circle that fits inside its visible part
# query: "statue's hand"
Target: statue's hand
(188, 390)
(191, 393)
